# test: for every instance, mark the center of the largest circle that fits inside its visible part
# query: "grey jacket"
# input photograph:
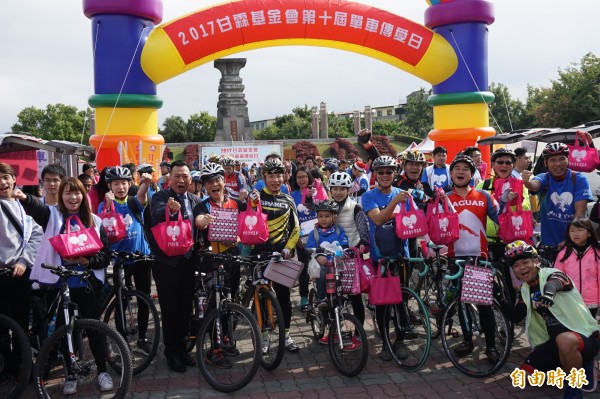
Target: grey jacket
(16, 247)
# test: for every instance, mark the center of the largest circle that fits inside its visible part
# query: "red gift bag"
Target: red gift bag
(410, 223)
(253, 228)
(365, 271)
(113, 224)
(515, 225)
(385, 290)
(515, 186)
(582, 158)
(73, 244)
(443, 226)
(174, 237)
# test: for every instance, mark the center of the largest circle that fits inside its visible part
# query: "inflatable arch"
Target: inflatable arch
(132, 56)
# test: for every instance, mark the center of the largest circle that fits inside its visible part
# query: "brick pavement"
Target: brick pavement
(310, 374)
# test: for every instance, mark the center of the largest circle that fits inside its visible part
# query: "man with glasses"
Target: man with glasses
(52, 176)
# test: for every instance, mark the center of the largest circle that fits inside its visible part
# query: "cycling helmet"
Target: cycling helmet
(340, 179)
(214, 159)
(330, 167)
(331, 160)
(413, 156)
(384, 161)
(145, 168)
(228, 161)
(117, 173)
(273, 166)
(518, 250)
(196, 176)
(165, 163)
(211, 170)
(327, 205)
(501, 152)
(464, 159)
(555, 149)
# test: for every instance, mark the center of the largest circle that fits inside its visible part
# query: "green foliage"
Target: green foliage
(419, 115)
(572, 99)
(56, 122)
(389, 128)
(199, 127)
(174, 130)
(507, 114)
(296, 125)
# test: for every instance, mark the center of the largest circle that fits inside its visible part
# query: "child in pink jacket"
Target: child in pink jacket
(580, 260)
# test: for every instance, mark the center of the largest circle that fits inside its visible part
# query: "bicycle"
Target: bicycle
(15, 354)
(476, 362)
(406, 325)
(68, 355)
(347, 340)
(228, 338)
(132, 313)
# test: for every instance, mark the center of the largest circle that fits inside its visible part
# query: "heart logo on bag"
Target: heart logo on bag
(505, 186)
(250, 222)
(173, 232)
(562, 201)
(579, 155)
(409, 221)
(517, 221)
(444, 224)
(109, 223)
(78, 240)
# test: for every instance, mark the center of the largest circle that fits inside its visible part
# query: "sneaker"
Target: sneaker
(229, 349)
(400, 350)
(303, 304)
(411, 333)
(325, 339)
(464, 348)
(384, 354)
(353, 344)
(105, 382)
(215, 358)
(70, 387)
(591, 374)
(323, 305)
(266, 345)
(492, 355)
(145, 345)
(290, 345)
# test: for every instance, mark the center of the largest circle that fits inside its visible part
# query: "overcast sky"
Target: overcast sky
(46, 58)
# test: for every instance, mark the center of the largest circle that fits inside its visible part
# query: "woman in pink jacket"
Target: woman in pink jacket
(580, 260)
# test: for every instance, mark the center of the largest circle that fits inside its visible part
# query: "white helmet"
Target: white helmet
(340, 179)
(211, 170)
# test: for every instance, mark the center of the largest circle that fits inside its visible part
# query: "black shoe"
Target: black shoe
(384, 354)
(492, 355)
(145, 345)
(176, 364)
(464, 348)
(187, 359)
(400, 350)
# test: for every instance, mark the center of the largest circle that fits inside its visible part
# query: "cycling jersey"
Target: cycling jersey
(235, 184)
(473, 211)
(284, 230)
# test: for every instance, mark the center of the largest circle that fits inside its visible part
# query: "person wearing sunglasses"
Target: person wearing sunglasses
(503, 162)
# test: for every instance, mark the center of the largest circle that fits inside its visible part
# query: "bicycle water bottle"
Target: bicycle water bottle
(201, 304)
(52, 325)
(330, 280)
(449, 295)
(339, 251)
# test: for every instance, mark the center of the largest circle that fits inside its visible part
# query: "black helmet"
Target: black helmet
(519, 250)
(117, 173)
(327, 205)
(384, 161)
(145, 168)
(501, 152)
(211, 170)
(196, 176)
(272, 166)
(464, 159)
(165, 163)
(555, 149)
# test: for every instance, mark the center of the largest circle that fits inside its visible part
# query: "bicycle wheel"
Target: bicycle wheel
(272, 329)
(231, 364)
(95, 343)
(475, 363)
(15, 358)
(139, 314)
(350, 357)
(314, 316)
(407, 331)
(428, 292)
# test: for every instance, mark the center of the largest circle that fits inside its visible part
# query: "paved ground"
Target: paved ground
(310, 374)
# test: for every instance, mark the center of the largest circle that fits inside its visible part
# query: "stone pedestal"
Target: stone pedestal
(314, 122)
(368, 118)
(356, 121)
(324, 121)
(233, 123)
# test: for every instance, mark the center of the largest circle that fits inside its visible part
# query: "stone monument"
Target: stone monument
(356, 121)
(323, 121)
(368, 118)
(233, 123)
(314, 122)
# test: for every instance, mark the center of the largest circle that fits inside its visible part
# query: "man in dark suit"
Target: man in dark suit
(174, 275)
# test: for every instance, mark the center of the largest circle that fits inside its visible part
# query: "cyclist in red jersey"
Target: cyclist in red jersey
(235, 182)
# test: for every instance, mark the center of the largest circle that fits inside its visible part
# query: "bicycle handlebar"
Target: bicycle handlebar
(65, 272)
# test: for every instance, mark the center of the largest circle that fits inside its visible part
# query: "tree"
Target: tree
(201, 127)
(572, 99)
(174, 130)
(56, 122)
(419, 115)
(507, 114)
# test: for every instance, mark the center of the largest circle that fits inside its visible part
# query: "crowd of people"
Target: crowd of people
(308, 202)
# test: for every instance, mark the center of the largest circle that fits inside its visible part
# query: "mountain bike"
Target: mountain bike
(132, 313)
(347, 340)
(75, 352)
(464, 331)
(228, 340)
(15, 354)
